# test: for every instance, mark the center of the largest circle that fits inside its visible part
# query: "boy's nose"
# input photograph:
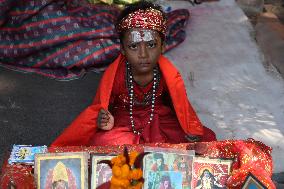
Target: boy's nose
(143, 52)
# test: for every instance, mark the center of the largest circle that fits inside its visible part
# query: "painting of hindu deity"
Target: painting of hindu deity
(166, 163)
(163, 180)
(210, 173)
(101, 173)
(61, 170)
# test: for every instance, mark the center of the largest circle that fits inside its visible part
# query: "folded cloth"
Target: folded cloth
(64, 39)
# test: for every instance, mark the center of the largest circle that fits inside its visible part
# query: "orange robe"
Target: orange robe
(83, 128)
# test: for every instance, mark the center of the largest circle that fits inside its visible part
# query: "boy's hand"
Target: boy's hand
(105, 120)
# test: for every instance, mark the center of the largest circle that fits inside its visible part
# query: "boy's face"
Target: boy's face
(142, 49)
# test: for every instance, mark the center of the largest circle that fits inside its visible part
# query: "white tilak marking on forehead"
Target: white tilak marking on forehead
(142, 35)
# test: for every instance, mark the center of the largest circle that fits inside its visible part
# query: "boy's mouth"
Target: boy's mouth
(144, 64)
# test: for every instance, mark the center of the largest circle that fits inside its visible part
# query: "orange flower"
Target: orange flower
(125, 183)
(132, 156)
(124, 175)
(116, 171)
(119, 160)
(136, 174)
(125, 171)
(117, 182)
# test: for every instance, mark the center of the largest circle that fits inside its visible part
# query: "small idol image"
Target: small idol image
(104, 174)
(183, 164)
(61, 177)
(101, 172)
(166, 183)
(210, 173)
(163, 180)
(64, 171)
(159, 163)
(208, 181)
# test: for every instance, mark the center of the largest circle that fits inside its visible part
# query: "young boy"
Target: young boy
(141, 97)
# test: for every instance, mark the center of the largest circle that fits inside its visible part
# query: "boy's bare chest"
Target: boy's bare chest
(143, 80)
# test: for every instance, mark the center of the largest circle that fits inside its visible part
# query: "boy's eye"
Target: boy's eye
(151, 44)
(133, 46)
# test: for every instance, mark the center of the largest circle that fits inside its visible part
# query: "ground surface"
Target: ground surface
(35, 109)
(231, 90)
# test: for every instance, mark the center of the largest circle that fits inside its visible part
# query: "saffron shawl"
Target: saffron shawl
(85, 125)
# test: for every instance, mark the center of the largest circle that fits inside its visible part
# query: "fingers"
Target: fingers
(103, 125)
(108, 112)
(103, 118)
(104, 121)
(104, 114)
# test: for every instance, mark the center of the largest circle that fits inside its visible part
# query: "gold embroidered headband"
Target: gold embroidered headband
(148, 19)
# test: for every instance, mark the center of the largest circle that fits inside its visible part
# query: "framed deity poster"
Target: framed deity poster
(62, 170)
(251, 182)
(210, 173)
(163, 180)
(167, 169)
(101, 173)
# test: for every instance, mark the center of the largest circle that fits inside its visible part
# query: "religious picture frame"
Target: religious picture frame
(100, 172)
(25, 154)
(251, 182)
(210, 172)
(164, 180)
(59, 170)
(167, 168)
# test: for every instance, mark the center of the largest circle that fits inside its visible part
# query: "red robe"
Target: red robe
(83, 131)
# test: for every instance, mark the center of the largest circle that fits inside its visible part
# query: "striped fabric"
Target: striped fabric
(63, 39)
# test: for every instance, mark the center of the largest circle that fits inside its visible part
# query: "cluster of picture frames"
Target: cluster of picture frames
(162, 169)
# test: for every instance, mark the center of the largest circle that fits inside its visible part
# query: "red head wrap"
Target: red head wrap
(148, 19)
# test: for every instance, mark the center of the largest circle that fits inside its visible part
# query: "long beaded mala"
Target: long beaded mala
(131, 97)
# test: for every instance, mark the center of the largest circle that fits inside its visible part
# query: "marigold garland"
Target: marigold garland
(126, 170)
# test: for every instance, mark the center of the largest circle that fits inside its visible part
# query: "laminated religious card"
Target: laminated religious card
(167, 168)
(251, 182)
(25, 153)
(164, 180)
(210, 173)
(101, 172)
(62, 170)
